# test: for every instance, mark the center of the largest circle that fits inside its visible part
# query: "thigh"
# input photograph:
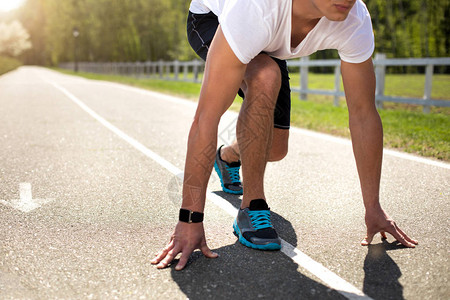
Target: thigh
(282, 112)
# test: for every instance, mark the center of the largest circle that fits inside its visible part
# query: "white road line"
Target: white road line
(310, 133)
(328, 277)
(344, 141)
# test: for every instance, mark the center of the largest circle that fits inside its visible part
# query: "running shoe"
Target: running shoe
(229, 175)
(254, 229)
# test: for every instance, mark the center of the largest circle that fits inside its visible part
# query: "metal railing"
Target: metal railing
(380, 62)
(168, 70)
(192, 70)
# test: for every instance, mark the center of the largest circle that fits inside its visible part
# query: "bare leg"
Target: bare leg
(231, 153)
(278, 150)
(261, 85)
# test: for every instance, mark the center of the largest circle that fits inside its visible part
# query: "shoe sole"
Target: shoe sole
(216, 167)
(243, 241)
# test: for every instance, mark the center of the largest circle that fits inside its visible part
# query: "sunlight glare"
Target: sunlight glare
(8, 5)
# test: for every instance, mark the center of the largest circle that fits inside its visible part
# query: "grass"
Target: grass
(8, 64)
(410, 131)
(406, 128)
(411, 85)
(177, 88)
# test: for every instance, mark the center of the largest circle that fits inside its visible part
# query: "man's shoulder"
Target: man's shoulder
(359, 13)
(356, 43)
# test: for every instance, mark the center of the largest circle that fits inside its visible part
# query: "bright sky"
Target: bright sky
(7, 5)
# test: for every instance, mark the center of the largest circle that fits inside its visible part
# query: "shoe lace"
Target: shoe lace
(234, 174)
(260, 219)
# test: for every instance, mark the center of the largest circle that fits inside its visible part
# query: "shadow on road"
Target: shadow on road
(382, 274)
(241, 272)
(284, 227)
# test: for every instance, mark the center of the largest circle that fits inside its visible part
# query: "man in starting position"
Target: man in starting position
(251, 41)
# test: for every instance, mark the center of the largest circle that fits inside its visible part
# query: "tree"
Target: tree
(138, 30)
(14, 39)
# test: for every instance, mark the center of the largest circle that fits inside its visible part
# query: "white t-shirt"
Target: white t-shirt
(253, 26)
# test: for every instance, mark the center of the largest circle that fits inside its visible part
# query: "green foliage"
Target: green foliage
(8, 64)
(109, 30)
(137, 30)
(411, 28)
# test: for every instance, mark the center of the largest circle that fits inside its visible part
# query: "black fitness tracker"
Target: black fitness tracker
(189, 216)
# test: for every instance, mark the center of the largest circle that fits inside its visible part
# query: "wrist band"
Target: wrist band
(189, 216)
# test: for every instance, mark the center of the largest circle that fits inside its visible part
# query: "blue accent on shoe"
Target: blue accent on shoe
(242, 240)
(260, 219)
(234, 172)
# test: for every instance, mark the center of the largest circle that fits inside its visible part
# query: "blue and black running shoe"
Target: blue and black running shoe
(228, 174)
(254, 228)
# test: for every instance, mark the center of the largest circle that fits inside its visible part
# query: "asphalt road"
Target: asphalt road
(89, 193)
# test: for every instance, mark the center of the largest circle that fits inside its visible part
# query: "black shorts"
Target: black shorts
(201, 29)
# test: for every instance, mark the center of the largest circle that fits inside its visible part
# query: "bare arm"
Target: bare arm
(367, 138)
(223, 76)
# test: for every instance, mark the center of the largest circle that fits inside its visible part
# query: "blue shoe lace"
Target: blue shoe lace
(260, 219)
(234, 174)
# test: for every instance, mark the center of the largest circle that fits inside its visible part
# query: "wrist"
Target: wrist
(189, 216)
(371, 201)
(372, 206)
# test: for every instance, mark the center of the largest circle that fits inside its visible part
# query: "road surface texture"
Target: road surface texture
(90, 192)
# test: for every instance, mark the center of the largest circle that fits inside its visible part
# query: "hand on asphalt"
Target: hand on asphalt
(186, 238)
(378, 221)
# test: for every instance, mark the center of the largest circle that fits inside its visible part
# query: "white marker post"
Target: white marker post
(26, 203)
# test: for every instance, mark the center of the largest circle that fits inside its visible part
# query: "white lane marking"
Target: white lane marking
(118, 132)
(310, 133)
(347, 142)
(327, 276)
(25, 203)
(340, 285)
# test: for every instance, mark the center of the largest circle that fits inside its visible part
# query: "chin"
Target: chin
(337, 18)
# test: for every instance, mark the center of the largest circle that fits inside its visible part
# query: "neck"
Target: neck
(305, 10)
(304, 18)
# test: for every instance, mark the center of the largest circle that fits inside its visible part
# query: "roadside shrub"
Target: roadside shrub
(8, 64)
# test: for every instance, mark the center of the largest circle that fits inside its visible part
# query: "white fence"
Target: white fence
(191, 71)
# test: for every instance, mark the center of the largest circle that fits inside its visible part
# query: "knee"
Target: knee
(263, 75)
